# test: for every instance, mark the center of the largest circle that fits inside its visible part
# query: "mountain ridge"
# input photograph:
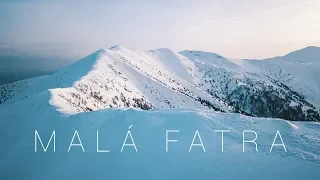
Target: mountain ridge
(123, 78)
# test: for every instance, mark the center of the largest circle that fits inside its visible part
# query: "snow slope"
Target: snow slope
(299, 70)
(18, 159)
(253, 91)
(10, 89)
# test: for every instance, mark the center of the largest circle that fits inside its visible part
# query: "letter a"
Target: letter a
(282, 143)
(125, 140)
(80, 143)
(201, 144)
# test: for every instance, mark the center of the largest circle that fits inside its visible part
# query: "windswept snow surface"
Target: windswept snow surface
(18, 159)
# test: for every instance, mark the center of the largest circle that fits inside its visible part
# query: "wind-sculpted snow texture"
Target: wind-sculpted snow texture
(119, 77)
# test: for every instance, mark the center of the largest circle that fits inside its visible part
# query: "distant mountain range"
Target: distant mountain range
(284, 87)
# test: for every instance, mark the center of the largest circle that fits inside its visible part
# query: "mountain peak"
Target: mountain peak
(100, 51)
(116, 47)
(309, 49)
(312, 47)
(196, 53)
(162, 50)
(305, 55)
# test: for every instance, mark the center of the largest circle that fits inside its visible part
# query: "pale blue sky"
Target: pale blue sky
(232, 28)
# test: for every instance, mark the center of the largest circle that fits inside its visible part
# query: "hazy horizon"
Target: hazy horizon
(73, 29)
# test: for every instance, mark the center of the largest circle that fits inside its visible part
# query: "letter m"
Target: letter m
(36, 136)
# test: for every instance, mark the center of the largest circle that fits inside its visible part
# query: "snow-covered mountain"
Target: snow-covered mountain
(124, 78)
(251, 91)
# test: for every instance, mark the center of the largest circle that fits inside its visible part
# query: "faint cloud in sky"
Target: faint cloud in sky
(240, 29)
